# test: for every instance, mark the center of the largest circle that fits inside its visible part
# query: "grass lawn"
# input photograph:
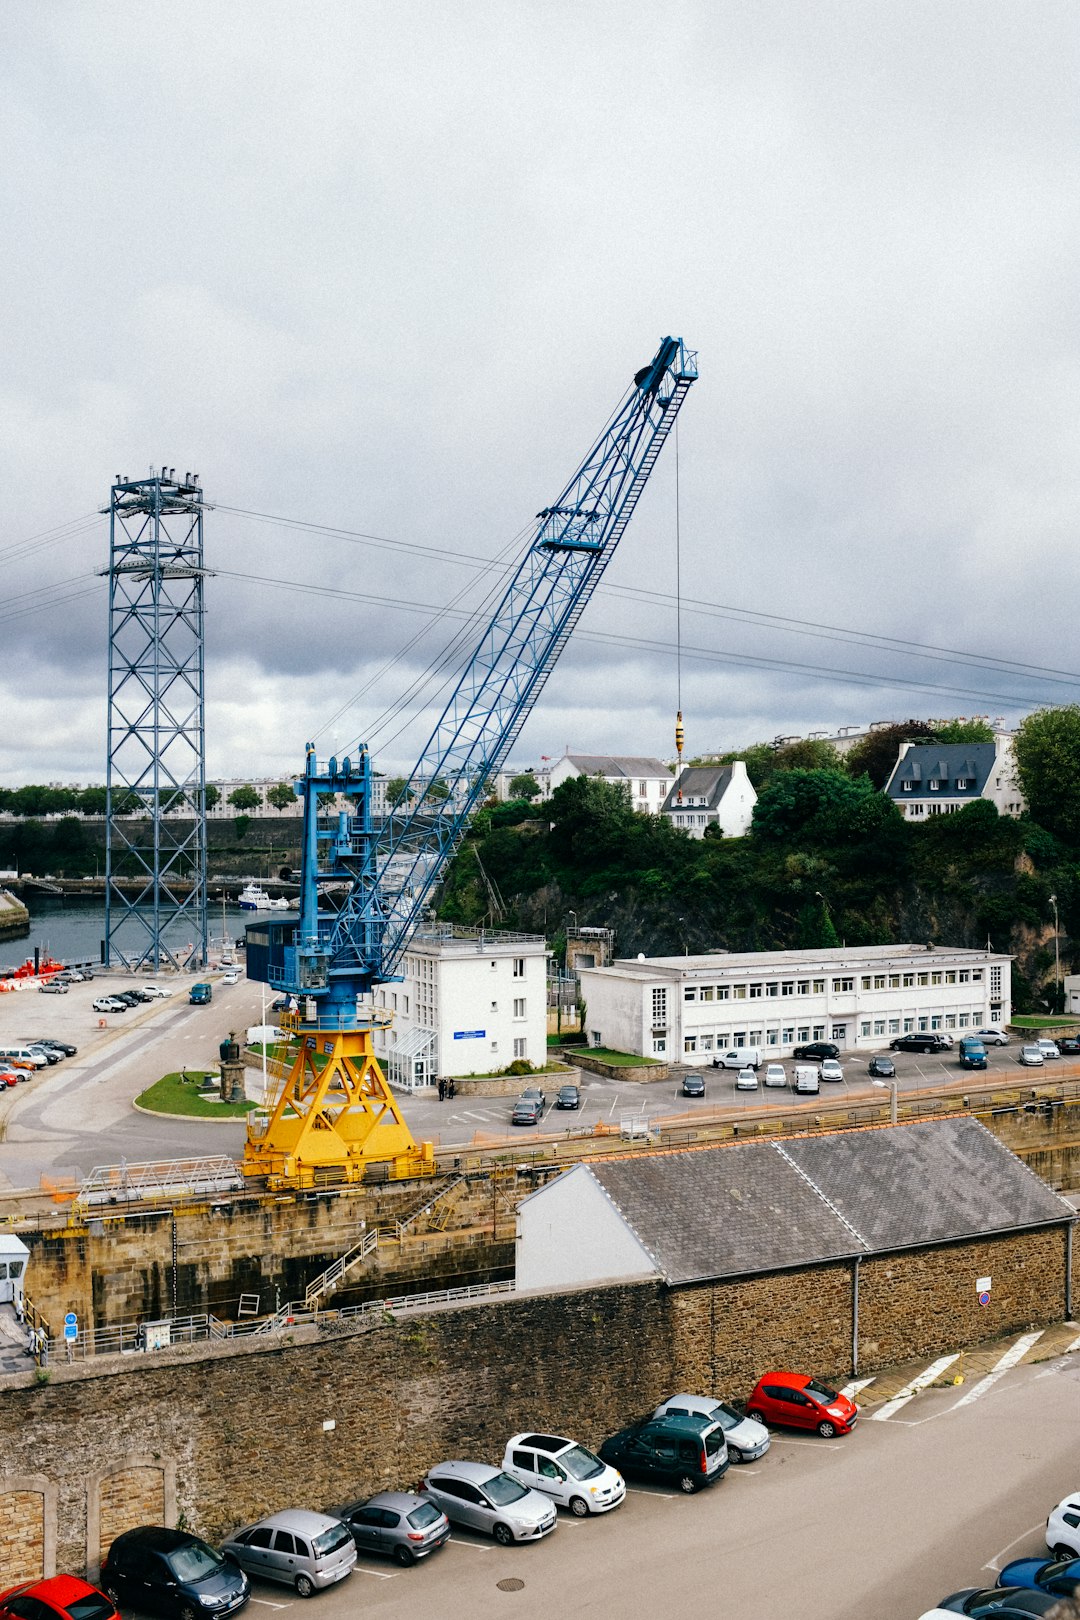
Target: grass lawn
(1041, 1021)
(179, 1094)
(625, 1060)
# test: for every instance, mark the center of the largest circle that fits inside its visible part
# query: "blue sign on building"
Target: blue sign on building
(469, 1034)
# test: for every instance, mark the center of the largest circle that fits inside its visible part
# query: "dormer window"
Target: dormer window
(934, 784)
(962, 782)
(907, 786)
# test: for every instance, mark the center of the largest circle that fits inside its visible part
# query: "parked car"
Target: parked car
(994, 1603)
(830, 1070)
(1063, 1528)
(568, 1097)
(398, 1524)
(918, 1041)
(53, 987)
(806, 1080)
(49, 1053)
(155, 991)
(11, 1077)
(572, 1476)
(487, 1499)
(534, 1094)
(1049, 1050)
(800, 1402)
(686, 1451)
(1058, 1575)
(776, 1075)
(232, 977)
(131, 997)
(307, 1551)
(882, 1067)
(992, 1037)
(1069, 1045)
(972, 1053)
(738, 1057)
(746, 1080)
(64, 1047)
(172, 1573)
(818, 1049)
(1031, 1057)
(694, 1086)
(526, 1112)
(67, 1597)
(109, 1004)
(746, 1439)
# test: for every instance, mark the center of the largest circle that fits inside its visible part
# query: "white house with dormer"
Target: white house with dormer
(935, 779)
(722, 796)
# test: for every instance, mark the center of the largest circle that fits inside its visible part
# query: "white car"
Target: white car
(1031, 1057)
(232, 977)
(830, 1070)
(568, 1473)
(746, 1438)
(775, 1075)
(1063, 1528)
(992, 1037)
(109, 1004)
(746, 1080)
(1049, 1049)
(154, 990)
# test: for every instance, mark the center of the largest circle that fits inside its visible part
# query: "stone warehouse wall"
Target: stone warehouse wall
(222, 1434)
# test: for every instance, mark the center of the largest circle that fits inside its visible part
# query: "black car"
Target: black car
(132, 997)
(818, 1049)
(172, 1573)
(693, 1085)
(65, 1048)
(919, 1043)
(1068, 1044)
(527, 1111)
(685, 1451)
(534, 1094)
(1000, 1602)
(884, 1068)
(568, 1097)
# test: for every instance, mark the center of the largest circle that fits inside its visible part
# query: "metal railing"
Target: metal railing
(158, 1179)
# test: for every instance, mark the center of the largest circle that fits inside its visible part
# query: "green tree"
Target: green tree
(213, 796)
(397, 787)
(801, 807)
(244, 798)
(524, 786)
(876, 753)
(281, 796)
(438, 790)
(1047, 752)
(92, 801)
(808, 754)
(965, 731)
(241, 826)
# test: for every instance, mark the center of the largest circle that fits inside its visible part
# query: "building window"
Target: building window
(819, 987)
(934, 784)
(723, 992)
(755, 992)
(909, 980)
(841, 986)
(659, 1045)
(788, 1037)
(755, 1037)
(950, 977)
(864, 1027)
(935, 1021)
(819, 1032)
(879, 981)
(659, 1005)
(521, 1047)
(804, 987)
(909, 1025)
(839, 1032)
(961, 782)
(787, 987)
(643, 790)
(965, 975)
(706, 1043)
(596, 1040)
(772, 989)
(894, 981)
(894, 1026)
(519, 967)
(964, 1019)
(495, 1044)
(995, 982)
(923, 1022)
(907, 786)
(772, 1037)
(804, 1032)
(706, 992)
(866, 981)
(519, 1006)
(879, 1026)
(689, 992)
(924, 979)
(976, 975)
(739, 992)
(740, 1038)
(950, 1020)
(690, 1043)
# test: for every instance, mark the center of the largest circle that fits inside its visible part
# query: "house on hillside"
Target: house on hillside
(647, 779)
(712, 795)
(934, 779)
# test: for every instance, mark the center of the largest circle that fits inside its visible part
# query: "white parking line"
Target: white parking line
(852, 1389)
(819, 1445)
(640, 1490)
(379, 1574)
(266, 1603)
(928, 1376)
(995, 1562)
(1013, 1354)
(1069, 1348)
(475, 1545)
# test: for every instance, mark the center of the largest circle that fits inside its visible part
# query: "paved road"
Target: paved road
(79, 1115)
(877, 1526)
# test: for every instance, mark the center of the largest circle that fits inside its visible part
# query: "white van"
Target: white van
(740, 1057)
(806, 1079)
(23, 1055)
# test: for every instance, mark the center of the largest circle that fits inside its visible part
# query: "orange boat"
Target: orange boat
(46, 966)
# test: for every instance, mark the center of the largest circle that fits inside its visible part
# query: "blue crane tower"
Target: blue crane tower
(336, 1116)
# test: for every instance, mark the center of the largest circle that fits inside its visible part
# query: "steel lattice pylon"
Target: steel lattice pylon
(155, 864)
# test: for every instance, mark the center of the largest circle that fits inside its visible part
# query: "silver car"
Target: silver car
(305, 1550)
(1031, 1057)
(746, 1438)
(485, 1499)
(398, 1524)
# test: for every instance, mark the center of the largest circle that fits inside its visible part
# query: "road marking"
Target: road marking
(995, 1562)
(1015, 1353)
(640, 1490)
(852, 1389)
(476, 1546)
(379, 1574)
(1069, 1348)
(819, 1445)
(266, 1603)
(927, 1376)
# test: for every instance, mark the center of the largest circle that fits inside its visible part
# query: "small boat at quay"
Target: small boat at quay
(253, 897)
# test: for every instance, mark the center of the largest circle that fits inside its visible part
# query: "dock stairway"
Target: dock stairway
(375, 1237)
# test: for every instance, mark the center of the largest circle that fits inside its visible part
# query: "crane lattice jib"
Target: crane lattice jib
(574, 541)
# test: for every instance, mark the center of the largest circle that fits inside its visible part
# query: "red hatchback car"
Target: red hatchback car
(61, 1597)
(801, 1403)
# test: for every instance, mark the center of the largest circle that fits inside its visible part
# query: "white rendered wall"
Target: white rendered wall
(570, 1233)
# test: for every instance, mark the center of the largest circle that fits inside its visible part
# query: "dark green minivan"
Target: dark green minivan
(686, 1451)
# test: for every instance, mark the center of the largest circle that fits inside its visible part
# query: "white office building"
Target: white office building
(471, 1001)
(687, 1008)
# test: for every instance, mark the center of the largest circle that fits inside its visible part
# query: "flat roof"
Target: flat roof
(850, 956)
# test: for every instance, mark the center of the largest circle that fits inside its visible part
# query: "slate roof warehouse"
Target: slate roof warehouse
(718, 1213)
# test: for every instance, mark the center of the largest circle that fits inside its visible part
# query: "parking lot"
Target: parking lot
(876, 1526)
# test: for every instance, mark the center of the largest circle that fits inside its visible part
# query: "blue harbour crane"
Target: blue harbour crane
(336, 1116)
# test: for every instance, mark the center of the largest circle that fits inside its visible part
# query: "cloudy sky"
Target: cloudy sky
(386, 269)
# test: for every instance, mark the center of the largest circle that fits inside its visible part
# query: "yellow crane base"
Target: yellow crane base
(335, 1120)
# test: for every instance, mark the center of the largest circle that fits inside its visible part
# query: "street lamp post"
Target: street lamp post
(1057, 956)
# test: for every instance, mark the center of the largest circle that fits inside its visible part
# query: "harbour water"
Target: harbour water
(72, 927)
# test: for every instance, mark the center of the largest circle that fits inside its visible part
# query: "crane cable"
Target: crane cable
(679, 733)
